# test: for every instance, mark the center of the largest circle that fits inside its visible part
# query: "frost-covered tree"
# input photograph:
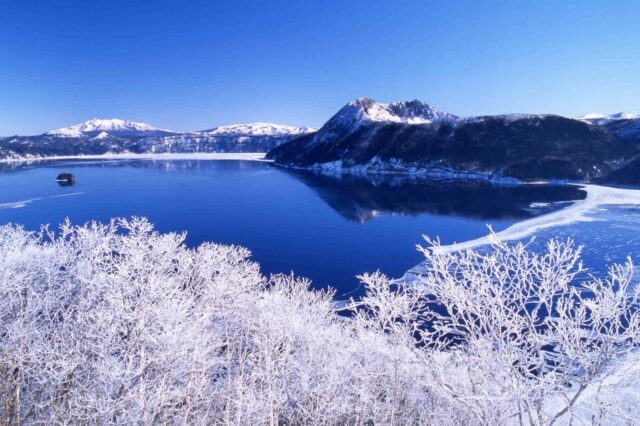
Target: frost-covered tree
(118, 324)
(526, 334)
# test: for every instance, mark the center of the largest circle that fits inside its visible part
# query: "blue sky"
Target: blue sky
(189, 65)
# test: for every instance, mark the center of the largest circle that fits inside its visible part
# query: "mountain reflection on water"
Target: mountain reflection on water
(361, 198)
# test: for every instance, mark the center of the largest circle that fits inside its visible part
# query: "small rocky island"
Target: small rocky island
(66, 179)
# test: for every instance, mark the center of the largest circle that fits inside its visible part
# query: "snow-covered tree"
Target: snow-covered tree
(118, 324)
(526, 334)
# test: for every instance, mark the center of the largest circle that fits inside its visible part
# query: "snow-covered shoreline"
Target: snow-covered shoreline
(597, 196)
(245, 156)
(442, 174)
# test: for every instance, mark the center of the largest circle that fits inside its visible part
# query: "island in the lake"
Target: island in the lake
(66, 179)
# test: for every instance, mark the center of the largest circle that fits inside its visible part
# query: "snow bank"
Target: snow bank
(597, 196)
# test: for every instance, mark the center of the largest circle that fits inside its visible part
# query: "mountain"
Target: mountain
(413, 137)
(254, 137)
(598, 119)
(365, 111)
(112, 127)
(102, 136)
(362, 115)
(258, 129)
(622, 124)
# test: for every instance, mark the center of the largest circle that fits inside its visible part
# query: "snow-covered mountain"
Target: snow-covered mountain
(623, 124)
(365, 111)
(113, 127)
(601, 119)
(254, 137)
(408, 136)
(414, 137)
(100, 136)
(623, 116)
(258, 129)
(364, 114)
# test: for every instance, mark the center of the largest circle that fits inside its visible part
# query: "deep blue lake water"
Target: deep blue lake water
(326, 228)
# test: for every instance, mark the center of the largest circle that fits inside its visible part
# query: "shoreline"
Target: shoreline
(236, 156)
(597, 196)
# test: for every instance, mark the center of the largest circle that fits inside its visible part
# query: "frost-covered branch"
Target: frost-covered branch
(116, 323)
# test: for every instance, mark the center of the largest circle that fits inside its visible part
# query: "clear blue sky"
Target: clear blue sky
(188, 65)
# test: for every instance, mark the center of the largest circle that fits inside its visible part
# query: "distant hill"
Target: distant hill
(103, 136)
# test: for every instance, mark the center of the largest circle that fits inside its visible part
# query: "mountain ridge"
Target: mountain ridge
(366, 136)
(113, 125)
(104, 136)
(362, 138)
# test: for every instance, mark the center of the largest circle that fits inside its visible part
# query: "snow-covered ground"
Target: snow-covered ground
(597, 196)
(246, 156)
(606, 223)
(620, 388)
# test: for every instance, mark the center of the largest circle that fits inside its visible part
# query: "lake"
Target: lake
(326, 228)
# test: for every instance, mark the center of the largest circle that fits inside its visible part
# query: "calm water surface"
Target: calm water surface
(326, 228)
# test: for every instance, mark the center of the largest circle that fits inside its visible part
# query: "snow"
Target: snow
(507, 117)
(104, 125)
(592, 116)
(68, 132)
(101, 135)
(364, 110)
(114, 124)
(619, 388)
(394, 166)
(623, 116)
(189, 314)
(579, 212)
(597, 196)
(258, 129)
(245, 156)
(599, 119)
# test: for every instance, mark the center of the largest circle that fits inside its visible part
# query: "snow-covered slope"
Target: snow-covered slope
(364, 111)
(623, 116)
(624, 125)
(113, 126)
(258, 129)
(413, 137)
(505, 118)
(100, 136)
(600, 119)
